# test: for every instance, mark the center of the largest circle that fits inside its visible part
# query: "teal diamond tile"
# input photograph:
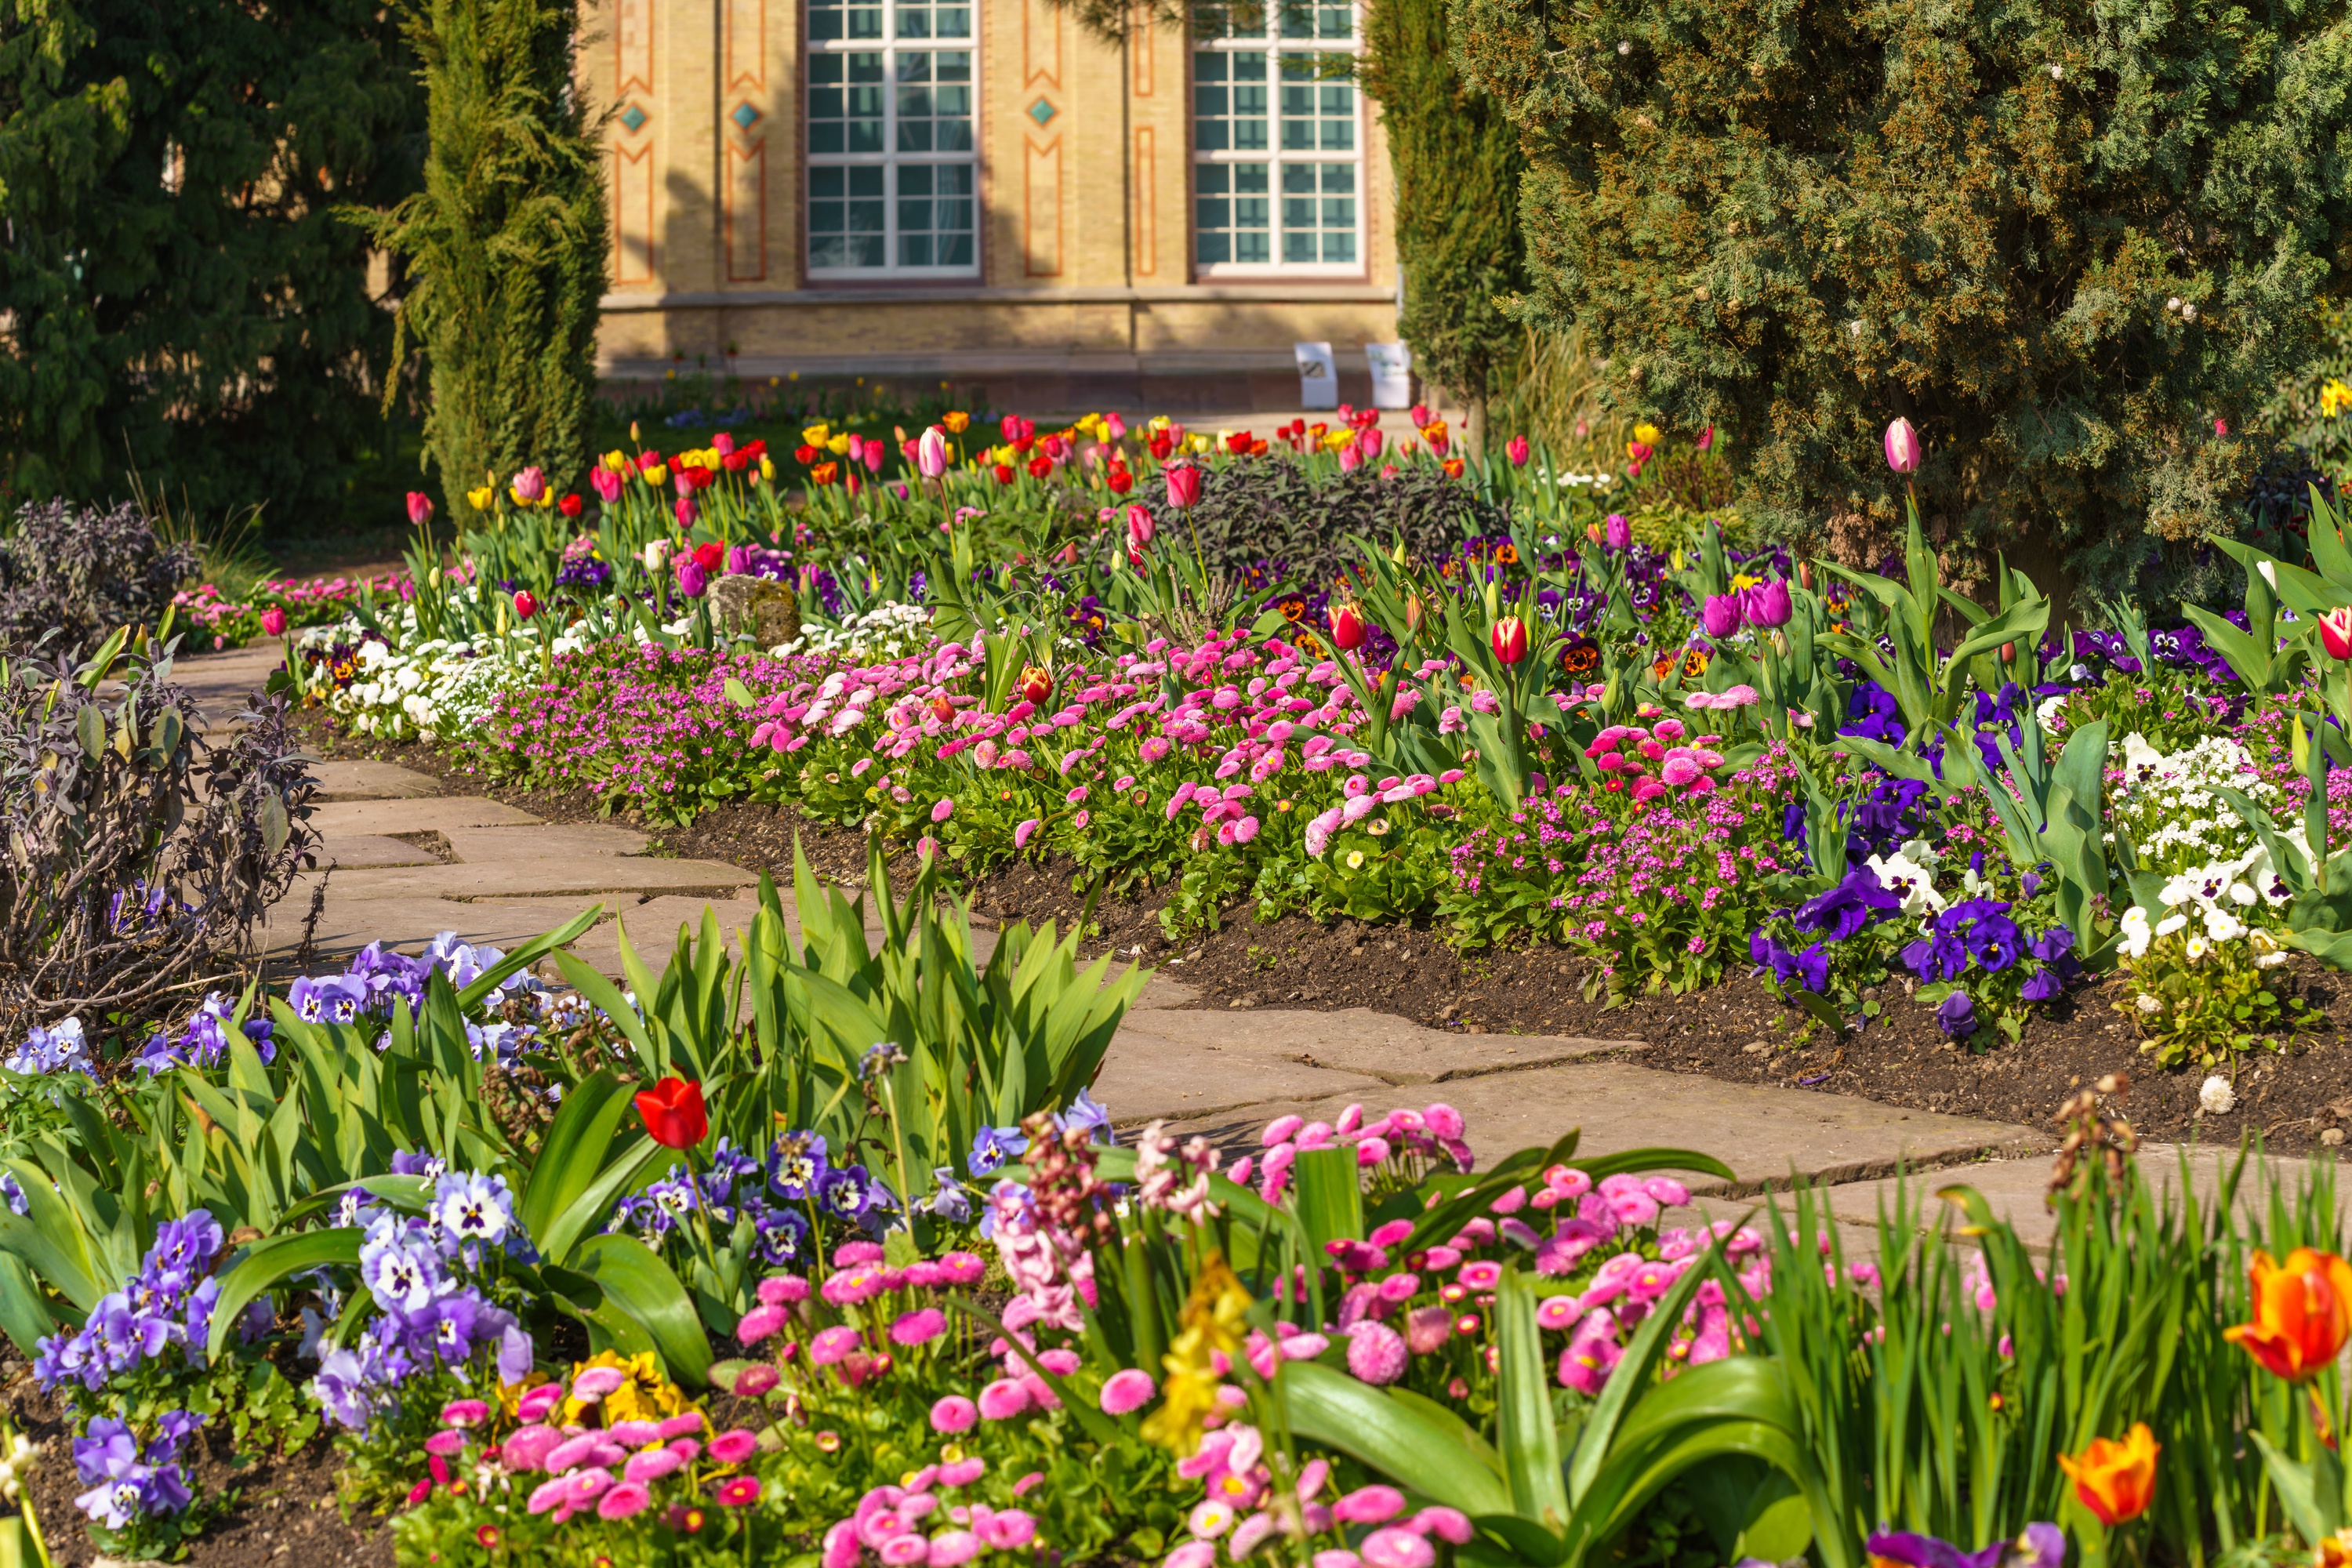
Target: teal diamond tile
(1041, 112)
(745, 117)
(633, 118)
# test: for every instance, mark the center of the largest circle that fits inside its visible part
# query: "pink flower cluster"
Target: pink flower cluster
(1231, 1466)
(1413, 1140)
(1621, 750)
(580, 1461)
(879, 1316)
(1362, 797)
(890, 1522)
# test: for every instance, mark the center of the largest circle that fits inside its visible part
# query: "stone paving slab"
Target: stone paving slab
(435, 814)
(222, 683)
(1377, 1044)
(573, 878)
(1764, 1132)
(1144, 1079)
(2014, 1189)
(354, 851)
(359, 780)
(543, 841)
(407, 923)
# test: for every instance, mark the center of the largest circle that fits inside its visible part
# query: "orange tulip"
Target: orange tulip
(2303, 1312)
(2115, 1480)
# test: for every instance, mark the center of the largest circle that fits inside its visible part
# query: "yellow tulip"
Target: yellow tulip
(1646, 434)
(1159, 422)
(815, 434)
(1335, 439)
(616, 461)
(482, 498)
(658, 475)
(767, 470)
(2334, 399)
(838, 445)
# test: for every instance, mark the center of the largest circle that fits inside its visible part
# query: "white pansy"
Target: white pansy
(1911, 882)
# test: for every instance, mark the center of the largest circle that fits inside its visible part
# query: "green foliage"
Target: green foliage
(1457, 166)
(507, 242)
(181, 301)
(2042, 231)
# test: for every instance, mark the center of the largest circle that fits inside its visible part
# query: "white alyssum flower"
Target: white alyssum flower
(2216, 1097)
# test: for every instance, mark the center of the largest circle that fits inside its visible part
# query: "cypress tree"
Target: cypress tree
(506, 243)
(1457, 166)
(2076, 242)
(177, 299)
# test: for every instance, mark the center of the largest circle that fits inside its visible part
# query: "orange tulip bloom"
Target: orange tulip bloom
(2303, 1312)
(2115, 1480)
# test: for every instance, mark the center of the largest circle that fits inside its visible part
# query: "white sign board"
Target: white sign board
(1391, 367)
(1318, 376)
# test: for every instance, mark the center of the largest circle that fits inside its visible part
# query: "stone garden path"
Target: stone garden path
(408, 861)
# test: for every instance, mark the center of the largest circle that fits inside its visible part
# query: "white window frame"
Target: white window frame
(891, 161)
(1274, 46)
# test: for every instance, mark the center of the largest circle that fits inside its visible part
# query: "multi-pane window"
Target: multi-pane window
(893, 172)
(1277, 161)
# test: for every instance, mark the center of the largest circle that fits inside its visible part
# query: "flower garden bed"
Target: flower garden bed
(797, 1252)
(2291, 1100)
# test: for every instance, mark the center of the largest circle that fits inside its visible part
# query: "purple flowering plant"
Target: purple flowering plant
(136, 1381)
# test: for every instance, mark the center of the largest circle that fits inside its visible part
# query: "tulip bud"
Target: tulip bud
(1347, 627)
(2335, 633)
(420, 507)
(1516, 451)
(273, 622)
(692, 580)
(931, 453)
(2008, 653)
(1902, 447)
(1509, 639)
(1183, 486)
(1620, 531)
(525, 606)
(1140, 526)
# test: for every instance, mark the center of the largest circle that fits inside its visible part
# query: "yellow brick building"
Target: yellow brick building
(978, 190)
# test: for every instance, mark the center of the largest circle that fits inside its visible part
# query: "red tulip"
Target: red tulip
(525, 606)
(273, 621)
(569, 506)
(1004, 473)
(1510, 639)
(1140, 526)
(1347, 627)
(1036, 683)
(2335, 633)
(673, 1114)
(420, 507)
(1183, 486)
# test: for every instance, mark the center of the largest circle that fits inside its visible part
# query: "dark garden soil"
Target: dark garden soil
(285, 1511)
(2296, 1097)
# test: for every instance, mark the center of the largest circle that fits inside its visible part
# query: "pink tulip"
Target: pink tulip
(1902, 447)
(531, 486)
(273, 621)
(607, 484)
(931, 453)
(420, 507)
(1183, 486)
(1517, 451)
